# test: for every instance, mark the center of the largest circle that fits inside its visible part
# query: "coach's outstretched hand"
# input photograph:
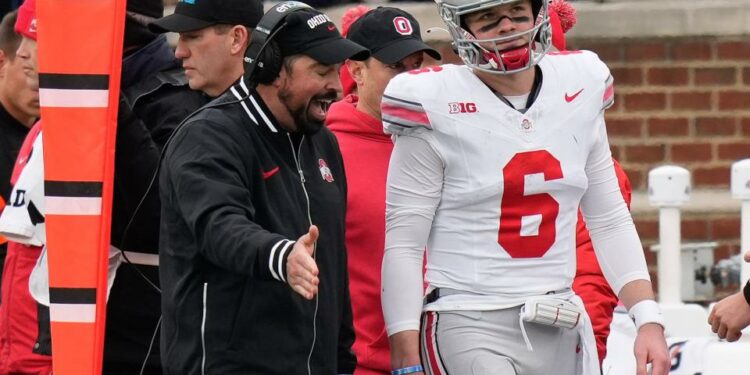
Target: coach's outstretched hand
(730, 316)
(301, 269)
(651, 347)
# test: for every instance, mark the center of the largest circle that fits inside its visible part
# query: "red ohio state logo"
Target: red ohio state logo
(461, 107)
(325, 172)
(403, 26)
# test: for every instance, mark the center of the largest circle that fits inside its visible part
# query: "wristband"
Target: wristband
(407, 370)
(746, 292)
(646, 311)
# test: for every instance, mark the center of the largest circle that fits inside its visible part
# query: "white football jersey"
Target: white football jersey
(512, 182)
(22, 220)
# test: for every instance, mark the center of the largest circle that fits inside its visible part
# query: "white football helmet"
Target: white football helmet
(494, 60)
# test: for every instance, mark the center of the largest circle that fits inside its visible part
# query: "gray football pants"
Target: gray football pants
(491, 343)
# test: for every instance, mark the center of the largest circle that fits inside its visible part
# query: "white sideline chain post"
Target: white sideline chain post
(669, 188)
(741, 190)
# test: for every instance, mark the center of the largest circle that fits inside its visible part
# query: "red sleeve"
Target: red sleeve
(589, 283)
(25, 153)
(2, 207)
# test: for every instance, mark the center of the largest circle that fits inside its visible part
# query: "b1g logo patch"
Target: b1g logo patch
(325, 172)
(403, 26)
(462, 107)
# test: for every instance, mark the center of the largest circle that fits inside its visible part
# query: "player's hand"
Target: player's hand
(301, 269)
(651, 347)
(730, 316)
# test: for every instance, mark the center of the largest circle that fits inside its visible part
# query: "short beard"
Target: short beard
(304, 123)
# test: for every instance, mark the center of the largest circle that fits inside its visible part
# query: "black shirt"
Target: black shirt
(12, 134)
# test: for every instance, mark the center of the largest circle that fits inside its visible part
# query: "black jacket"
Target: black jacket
(237, 190)
(155, 98)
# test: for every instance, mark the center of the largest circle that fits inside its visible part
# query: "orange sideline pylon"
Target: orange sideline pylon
(80, 54)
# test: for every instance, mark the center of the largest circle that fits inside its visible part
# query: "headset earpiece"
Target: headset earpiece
(269, 64)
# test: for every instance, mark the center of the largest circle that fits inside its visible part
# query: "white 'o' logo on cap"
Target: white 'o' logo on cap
(403, 26)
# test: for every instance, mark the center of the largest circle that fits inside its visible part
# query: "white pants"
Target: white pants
(491, 343)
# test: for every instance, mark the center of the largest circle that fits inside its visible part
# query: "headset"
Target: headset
(263, 61)
(263, 58)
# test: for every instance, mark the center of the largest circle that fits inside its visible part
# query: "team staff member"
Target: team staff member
(393, 37)
(213, 37)
(252, 257)
(19, 108)
(155, 98)
(25, 345)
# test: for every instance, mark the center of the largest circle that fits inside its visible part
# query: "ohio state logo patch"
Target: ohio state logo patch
(325, 172)
(403, 26)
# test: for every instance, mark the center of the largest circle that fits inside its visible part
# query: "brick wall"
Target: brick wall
(721, 227)
(682, 101)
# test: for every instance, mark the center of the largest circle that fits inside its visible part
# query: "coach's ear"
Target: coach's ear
(356, 71)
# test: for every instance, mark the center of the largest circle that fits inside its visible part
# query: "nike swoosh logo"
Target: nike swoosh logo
(269, 174)
(331, 28)
(570, 98)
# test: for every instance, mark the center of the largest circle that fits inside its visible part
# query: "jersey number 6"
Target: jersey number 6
(515, 205)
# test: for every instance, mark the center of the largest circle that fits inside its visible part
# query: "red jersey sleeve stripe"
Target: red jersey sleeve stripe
(408, 115)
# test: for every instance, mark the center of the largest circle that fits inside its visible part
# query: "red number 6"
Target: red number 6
(515, 205)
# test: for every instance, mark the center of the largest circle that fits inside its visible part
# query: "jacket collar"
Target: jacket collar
(254, 107)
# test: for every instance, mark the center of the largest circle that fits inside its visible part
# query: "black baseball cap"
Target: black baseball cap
(391, 34)
(190, 15)
(312, 33)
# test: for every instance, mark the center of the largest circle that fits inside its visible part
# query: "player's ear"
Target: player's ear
(356, 71)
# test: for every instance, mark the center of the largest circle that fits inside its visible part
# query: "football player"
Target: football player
(490, 163)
